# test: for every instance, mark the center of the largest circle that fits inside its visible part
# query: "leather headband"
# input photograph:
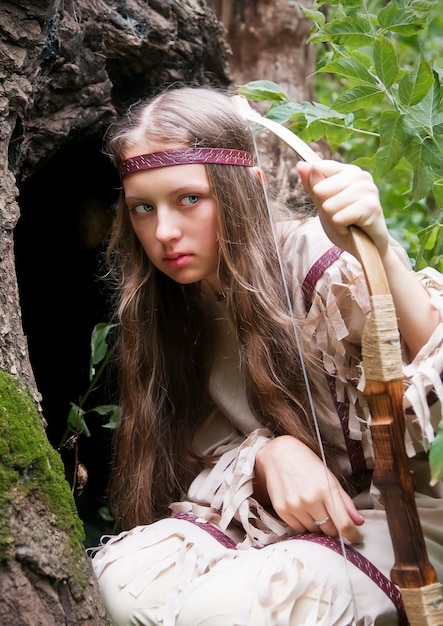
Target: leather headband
(183, 156)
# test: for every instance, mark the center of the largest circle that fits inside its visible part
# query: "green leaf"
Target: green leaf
(358, 97)
(263, 90)
(104, 409)
(424, 9)
(422, 152)
(349, 3)
(283, 113)
(349, 68)
(352, 30)
(428, 236)
(311, 110)
(385, 61)
(99, 347)
(436, 456)
(318, 17)
(315, 131)
(105, 514)
(437, 190)
(113, 410)
(414, 85)
(422, 182)
(404, 21)
(337, 135)
(389, 14)
(427, 112)
(393, 141)
(76, 420)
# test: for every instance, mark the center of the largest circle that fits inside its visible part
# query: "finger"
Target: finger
(351, 215)
(352, 510)
(310, 174)
(322, 172)
(304, 170)
(343, 514)
(346, 526)
(297, 525)
(355, 185)
(325, 524)
(320, 522)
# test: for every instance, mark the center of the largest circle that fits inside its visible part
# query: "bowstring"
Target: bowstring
(302, 359)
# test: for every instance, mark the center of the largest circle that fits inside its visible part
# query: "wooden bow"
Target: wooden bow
(412, 571)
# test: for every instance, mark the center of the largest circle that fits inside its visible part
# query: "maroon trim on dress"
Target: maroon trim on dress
(184, 156)
(365, 566)
(352, 555)
(314, 273)
(212, 530)
(361, 475)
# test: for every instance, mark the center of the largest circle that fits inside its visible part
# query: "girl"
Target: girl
(229, 515)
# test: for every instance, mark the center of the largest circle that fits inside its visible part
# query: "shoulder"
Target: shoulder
(305, 245)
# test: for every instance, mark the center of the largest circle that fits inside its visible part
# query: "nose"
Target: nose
(168, 227)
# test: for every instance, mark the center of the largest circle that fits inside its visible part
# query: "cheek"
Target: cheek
(145, 237)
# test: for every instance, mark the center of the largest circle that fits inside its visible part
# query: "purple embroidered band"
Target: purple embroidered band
(183, 156)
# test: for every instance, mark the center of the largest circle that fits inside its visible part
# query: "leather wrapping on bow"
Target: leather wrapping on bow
(384, 388)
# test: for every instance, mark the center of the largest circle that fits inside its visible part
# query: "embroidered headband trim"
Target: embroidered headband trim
(183, 156)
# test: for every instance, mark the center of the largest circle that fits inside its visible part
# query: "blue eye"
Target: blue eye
(142, 208)
(190, 200)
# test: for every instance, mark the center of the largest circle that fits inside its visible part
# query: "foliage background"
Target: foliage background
(378, 86)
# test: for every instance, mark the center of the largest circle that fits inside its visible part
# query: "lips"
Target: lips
(177, 260)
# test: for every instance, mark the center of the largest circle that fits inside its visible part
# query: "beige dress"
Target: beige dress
(223, 560)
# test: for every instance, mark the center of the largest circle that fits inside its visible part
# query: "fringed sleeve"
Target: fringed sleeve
(335, 315)
(423, 376)
(223, 494)
(336, 321)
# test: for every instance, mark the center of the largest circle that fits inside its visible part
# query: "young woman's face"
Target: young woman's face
(173, 214)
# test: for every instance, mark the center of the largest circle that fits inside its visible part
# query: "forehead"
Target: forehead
(169, 179)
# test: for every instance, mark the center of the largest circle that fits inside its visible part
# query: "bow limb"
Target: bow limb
(412, 572)
(384, 387)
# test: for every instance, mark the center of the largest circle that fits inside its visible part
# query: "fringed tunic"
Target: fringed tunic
(222, 559)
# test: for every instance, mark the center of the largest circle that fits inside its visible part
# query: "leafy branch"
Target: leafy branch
(76, 424)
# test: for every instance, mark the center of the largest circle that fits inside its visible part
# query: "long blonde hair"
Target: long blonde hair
(164, 351)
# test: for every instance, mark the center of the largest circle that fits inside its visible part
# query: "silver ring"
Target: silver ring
(320, 522)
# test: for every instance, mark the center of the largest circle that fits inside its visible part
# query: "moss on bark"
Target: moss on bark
(34, 491)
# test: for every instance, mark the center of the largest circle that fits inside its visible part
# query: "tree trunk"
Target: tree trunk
(68, 68)
(268, 42)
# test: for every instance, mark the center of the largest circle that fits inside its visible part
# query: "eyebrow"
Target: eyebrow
(191, 187)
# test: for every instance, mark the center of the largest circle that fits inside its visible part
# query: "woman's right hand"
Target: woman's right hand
(301, 490)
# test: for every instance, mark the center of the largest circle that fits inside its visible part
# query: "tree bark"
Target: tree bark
(68, 69)
(269, 42)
